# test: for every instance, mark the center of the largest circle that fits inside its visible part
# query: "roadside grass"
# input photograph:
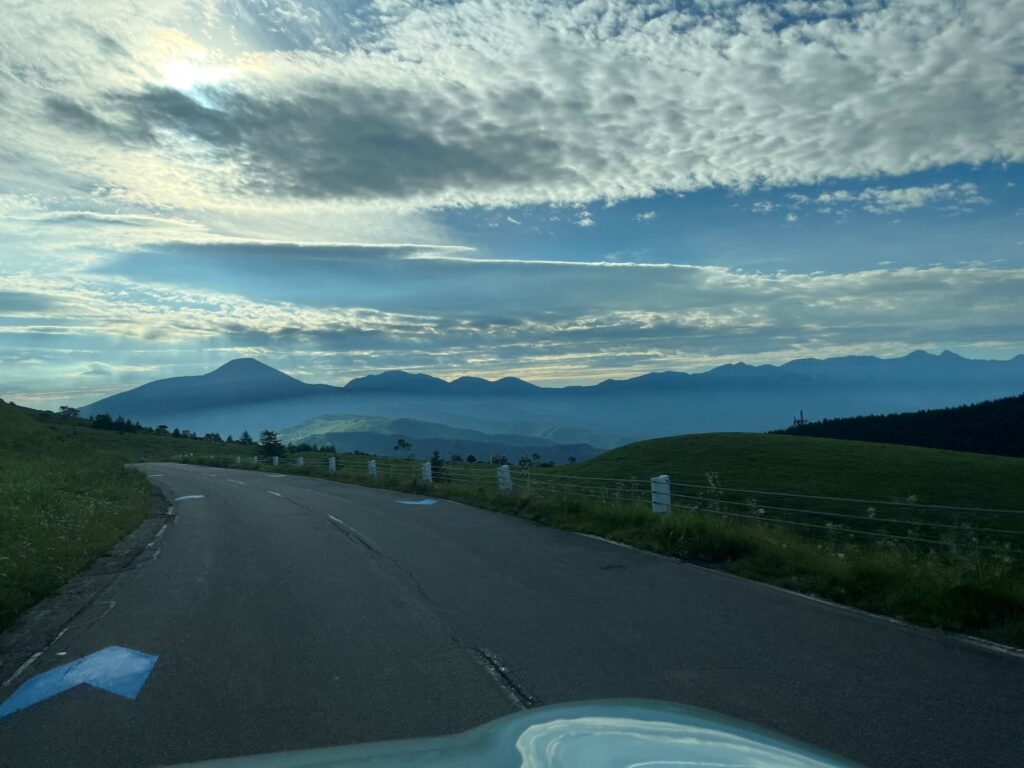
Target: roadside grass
(955, 588)
(66, 498)
(817, 466)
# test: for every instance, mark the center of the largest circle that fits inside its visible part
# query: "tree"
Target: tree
(456, 458)
(536, 457)
(270, 443)
(162, 430)
(176, 432)
(471, 459)
(246, 438)
(403, 445)
(102, 421)
(572, 459)
(68, 411)
(437, 470)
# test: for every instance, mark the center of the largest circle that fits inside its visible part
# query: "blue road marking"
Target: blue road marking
(420, 503)
(118, 670)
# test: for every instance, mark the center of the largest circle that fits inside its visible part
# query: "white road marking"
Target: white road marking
(339, 522)
(28, 663)
(161, 531)
(275, 475)
(273, 493)
(156, 475)
(236, 482)
(193, 496)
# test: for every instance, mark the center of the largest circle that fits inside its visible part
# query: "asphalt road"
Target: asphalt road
(288, 612)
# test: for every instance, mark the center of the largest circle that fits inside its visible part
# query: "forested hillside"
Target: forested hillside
(993, 426)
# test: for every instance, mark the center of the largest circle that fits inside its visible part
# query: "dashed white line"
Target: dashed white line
(236, 482)
(193, 496)
(28, 663)
(273, 493)
(275, 475)
(156, 475)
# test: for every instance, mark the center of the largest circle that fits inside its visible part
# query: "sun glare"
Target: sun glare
(186, 74)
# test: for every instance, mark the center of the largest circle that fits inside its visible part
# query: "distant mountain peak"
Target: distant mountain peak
(247, 368)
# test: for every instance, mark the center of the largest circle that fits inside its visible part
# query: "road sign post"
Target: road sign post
(428, 474)
(372, 465)
(276, 461)
(332, 464)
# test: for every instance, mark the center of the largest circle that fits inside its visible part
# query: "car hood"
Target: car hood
(592, 734)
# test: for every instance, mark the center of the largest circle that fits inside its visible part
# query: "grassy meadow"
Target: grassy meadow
(66, 497)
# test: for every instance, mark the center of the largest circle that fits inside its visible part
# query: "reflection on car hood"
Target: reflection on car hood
(592, 734)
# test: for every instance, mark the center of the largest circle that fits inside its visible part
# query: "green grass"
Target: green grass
(957, 588)
(819, 466)
(66, 498)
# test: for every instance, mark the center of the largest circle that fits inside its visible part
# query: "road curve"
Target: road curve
(290, 612)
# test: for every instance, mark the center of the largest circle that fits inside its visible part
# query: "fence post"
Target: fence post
(276, 460)
(238, 461)
(505, 477)
(661, 497)
(332, 464)
(372, 465)
(300, 461)
(428, 474)
(255, 460)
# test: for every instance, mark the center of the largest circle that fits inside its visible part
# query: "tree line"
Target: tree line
(993, 426)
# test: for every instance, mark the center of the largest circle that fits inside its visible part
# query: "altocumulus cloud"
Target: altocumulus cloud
(487, 103)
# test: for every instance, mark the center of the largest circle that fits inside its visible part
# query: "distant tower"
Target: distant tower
(799, 422)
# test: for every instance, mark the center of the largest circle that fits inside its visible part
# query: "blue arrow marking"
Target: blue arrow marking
(420, 503)
(114, 669)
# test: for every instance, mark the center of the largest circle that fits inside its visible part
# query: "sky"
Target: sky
(562, 191)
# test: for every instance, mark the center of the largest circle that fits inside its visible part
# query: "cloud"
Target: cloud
(791, 217)
(881, 200)
(437, 105)
(646, 216)
(584, 219)
(18, 302)
(619, 316)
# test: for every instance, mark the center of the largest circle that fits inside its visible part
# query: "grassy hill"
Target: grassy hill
(66, 497)
(818, 466)
(994, 427)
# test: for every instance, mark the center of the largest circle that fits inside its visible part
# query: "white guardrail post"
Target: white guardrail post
(332, 464)
(255, 460)
(661, 495)
(275, 461)
(505, 477)
(238, 461)
(372, 465)
(300, 461)
(428, 474)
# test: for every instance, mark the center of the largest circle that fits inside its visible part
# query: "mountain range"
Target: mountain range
(247, 394)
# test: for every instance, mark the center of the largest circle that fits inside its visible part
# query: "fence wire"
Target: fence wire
(832, 517)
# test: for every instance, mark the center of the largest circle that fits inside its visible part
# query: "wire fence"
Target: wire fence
(835, 519)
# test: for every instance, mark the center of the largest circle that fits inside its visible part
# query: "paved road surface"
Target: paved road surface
(290, 612)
